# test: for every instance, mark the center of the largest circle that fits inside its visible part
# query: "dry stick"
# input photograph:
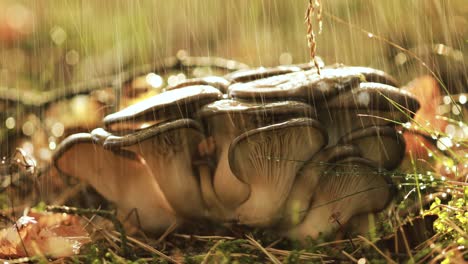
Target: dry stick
(311, 40)
(387, 258)
(211, 251)
(257, 245)
(349, 256)
(151, 249)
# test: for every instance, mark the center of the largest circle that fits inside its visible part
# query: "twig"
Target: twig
(387, 258)
(211, 251)
(349, 256)
(268, 254)
(151, 249)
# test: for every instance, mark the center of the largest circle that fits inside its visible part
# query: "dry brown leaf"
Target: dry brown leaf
(52, 235)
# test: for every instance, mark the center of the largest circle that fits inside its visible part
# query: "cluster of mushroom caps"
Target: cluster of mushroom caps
(284, 148)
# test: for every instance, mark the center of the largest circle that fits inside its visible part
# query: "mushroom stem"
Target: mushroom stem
(215, 207)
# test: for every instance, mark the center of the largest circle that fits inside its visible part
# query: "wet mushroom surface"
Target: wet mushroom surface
(281, 147)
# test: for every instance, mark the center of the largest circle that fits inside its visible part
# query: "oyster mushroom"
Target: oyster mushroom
(307, 179)
(370, 104)
(371, 74)
(122, 177)
(268, 159)
(214, 81)
(169, 150)
(227, 119)
(351, 187)
(302, 85)
(382, 144)
(170, 105)
(247, 75)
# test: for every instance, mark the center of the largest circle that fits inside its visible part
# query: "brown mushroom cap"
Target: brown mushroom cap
(371, 104)
(214, 81)
(303, 85)
(307, 179)
(351, 187)
(163, 107)
(121, 176)
(382, 144)
(227, 119)
(268, 159)
(168, 150)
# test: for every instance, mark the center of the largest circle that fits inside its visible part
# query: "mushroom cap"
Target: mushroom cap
(308, 178)
(352, 186)
(169, 150)
(371, 104)
(249, 115)
(382, 144)
(302, 85)
(247, 75)
(165, 106)
(371, 74)
(120, 176)
(268, 159)
(214, 81)
(312, 129)
(378, 96)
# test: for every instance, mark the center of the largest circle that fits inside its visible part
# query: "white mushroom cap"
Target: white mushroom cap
(121, 177)
(248, 75)
(214, 81)
(382, 144)
(371, 74)
(307, 179)
(302, 85)
(170, 105)
(268, 159)
(168, 150)
(351, 187)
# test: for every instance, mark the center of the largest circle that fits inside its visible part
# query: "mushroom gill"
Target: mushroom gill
(169, 150)
(268, 159)
(307, 179)
(225, 120)
(350, 187)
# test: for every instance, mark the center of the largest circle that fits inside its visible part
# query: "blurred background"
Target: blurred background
(49, 44)
(46, 47)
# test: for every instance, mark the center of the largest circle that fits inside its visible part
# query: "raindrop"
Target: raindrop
(58, 35)
(285, 58)
(72, 57)
(58, 129)
(447, 99)
(154, 80)
(400, 58)
(444, 143)
(370, 35)
(52, 145)
(456, 109)
(28, 128)
(462, 99)
(10, 122)
(450, 130)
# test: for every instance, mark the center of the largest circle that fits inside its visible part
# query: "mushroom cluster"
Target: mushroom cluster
(282, 147)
